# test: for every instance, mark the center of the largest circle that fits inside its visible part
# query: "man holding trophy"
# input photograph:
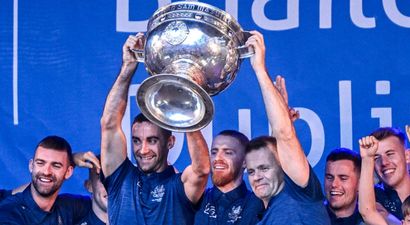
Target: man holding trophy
(151, 193)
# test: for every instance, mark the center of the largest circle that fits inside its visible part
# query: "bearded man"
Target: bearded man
(228, 201)
(40, 202)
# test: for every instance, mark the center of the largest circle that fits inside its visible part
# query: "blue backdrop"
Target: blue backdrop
(346, 64)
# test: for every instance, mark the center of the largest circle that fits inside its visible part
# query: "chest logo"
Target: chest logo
(158, 193)
(235, 214)
(210, 210)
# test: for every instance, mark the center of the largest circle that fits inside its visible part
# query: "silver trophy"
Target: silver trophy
(192, 51)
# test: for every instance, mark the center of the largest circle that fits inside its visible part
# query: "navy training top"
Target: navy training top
(138, 198)
(22, 209)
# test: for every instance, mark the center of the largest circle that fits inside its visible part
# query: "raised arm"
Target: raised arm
(113, 141)
(289, 148)
(367, 200)
(195, 176)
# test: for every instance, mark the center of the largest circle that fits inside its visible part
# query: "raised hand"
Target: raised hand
(133, 43)
(368, 146)
(281, 86)
(258, 43)
(87, 160)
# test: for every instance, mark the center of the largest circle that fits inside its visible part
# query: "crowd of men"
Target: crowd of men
(284, 187)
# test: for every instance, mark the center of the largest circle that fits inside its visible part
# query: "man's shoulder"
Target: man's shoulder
(122, 177)
(72, 199)
(78, 205)
(12, 200)
(4, 193)
(90, 219)
(12, 210)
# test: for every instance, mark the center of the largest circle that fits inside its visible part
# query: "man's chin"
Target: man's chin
(335, 205)
(390, 182)
(146, 169)
(220, 180)
(46, 192)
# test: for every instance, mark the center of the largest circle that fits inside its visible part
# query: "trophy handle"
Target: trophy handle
(139, 54)
(245, 51)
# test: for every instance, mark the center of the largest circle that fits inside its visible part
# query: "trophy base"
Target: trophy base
(175, 103)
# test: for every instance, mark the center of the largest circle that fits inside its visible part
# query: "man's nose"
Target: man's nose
(144, 147)
(384, 160)
(336, 182)
(218, 155)
(47, 170)
(258, 175)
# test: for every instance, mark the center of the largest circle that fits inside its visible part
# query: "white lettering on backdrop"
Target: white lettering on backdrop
(260, 17)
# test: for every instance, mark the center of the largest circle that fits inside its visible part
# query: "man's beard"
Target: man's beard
(221, 179)
(45, 192)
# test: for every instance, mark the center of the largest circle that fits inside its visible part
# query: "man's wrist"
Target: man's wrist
(368, 158)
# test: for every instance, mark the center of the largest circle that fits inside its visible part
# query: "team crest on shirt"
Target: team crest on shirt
(210, 210)
(158, 193)
(235, 214)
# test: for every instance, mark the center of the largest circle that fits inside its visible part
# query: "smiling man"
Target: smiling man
(391, 161)
(228, 201)
(40, 203)
(151, 193)
(342, 175)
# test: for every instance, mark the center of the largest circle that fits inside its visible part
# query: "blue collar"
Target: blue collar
(31, 204)
(355, 218)
(238, 192)
(168, 172)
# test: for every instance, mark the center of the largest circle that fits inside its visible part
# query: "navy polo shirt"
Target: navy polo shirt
(239, 206)
(22, 209)
(4, 194)
(296, 205)
(389, 198)
(354, 219)
(91, 219)
(137, 198)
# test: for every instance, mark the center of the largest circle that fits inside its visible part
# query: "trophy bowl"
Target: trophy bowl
(192, 51)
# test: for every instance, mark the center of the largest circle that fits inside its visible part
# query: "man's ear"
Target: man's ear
(30, 165)
(69, 172)
(87, 185)
(407, 155)
(171, 142)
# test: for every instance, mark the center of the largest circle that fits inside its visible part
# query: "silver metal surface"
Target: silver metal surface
(194, 51)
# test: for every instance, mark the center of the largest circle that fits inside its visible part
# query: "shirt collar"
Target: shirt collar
(388, 190)
(236, 193)
(30, 203)
(352, 218)
(169, 171)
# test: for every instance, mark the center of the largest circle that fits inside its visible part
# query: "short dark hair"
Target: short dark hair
(345, 154)
(243, 140)
(141, 118)
(385, 132)
(58, 143)
(260, 142)
(405, 207)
